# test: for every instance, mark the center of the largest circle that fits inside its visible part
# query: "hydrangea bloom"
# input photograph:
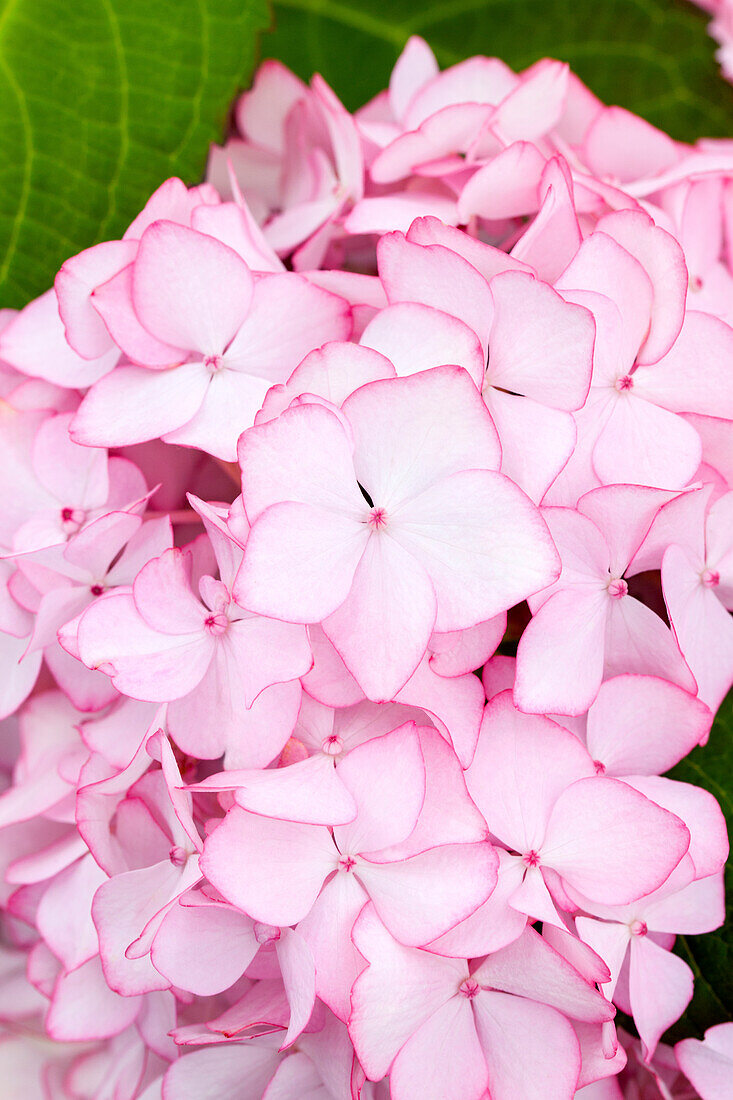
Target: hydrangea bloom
(365, 562)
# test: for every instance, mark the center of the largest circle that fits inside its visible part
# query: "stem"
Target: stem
(183, 515)
(231, 469)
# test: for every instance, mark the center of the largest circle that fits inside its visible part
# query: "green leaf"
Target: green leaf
(100, 101)
(652, 56)
(710, 956)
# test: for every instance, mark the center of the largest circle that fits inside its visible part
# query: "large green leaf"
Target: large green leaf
(652, 56)
(100, 101)
(711, 956)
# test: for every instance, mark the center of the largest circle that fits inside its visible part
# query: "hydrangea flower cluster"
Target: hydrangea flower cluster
(290, 473)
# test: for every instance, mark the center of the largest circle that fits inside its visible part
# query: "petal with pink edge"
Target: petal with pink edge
(190, 290)
(442, 1059)
(400, 989)
(530, 1049)
(610, 843)
(280, 865)
(416, 337)
(382, 629)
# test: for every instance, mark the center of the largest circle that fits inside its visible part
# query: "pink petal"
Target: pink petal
(406, 433)
(225, 1068)
(560, 653)
(443, 1058)
(73, 474)
(84, 1008)
(381, 630)
(163, 596)
(327, 931)
(603, 266)
(677, 383)
(553, 434)
(701, 814)
(415, 66)
(458, 652)
(623, 146)
(264, 729)
(309, 791)
(303, 854)
(386, 777)
(624, 514)
(553, 238)
(34, 343)
(75, 284)
(708, 1064)
(610, 843)
(304, 456)
(453, 703)
(644, 444)
(424, 895)
(529, 756)
(189, 290)
(386, 213)
(638, 641)
(661, 257)
(415, 984)
(548, 354)
(494, 924)
(133, 404)
(287, 319)
(530, 967)
(660, 988)
(487, 259)
(531, 1050)
(482, 542)
(144, 663)
(476, 80)
(64, 915)
(112, 303)
(505, 187)
(233, 224)
(299, 978)
(262, 652)
(416, 337)
(301, 563)
(231, 403)
(262, 112)
(123, 909)
(203, 948)
(435, 277)
(643, 725)
(535, 105)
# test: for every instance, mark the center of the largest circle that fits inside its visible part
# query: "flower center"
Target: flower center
(470, 988)
(332, 745)
(214, 363)
(178, 856)
(377, 519)
(625, 383)
(600, 767)
(97, 589)
(216, 624)
(638, 928)
(72, 519)
(617, 588)
(266, 933)
(532, 859)
(710, 578)
(347, 863)
(695, 283)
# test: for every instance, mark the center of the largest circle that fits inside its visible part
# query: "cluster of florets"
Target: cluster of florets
(366, 557)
